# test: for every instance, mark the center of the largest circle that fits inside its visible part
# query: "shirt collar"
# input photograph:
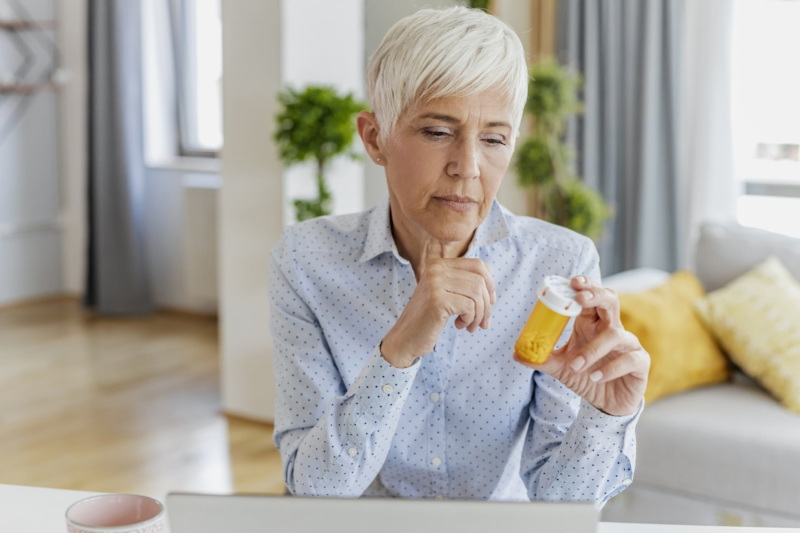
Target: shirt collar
(379, 234)
(492, 230)
(380, 239)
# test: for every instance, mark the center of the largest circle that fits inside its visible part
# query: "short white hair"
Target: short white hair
(438, 53)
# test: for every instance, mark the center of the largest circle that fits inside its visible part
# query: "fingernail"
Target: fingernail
(494, 297)
(582, 279)
(578, 363)
(587, 295)
(596, 376)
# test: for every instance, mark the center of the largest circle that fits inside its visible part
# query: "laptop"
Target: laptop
(240, 513)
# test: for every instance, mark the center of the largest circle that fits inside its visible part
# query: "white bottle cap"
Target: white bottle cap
(558, 296)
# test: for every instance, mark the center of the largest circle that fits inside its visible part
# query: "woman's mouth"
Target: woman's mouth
(461, 204)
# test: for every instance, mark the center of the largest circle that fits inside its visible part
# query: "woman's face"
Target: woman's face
(444, 162)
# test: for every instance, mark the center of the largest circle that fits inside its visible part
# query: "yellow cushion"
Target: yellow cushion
(757, 320)
(683, 353)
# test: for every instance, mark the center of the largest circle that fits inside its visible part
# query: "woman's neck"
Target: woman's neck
(422, 248)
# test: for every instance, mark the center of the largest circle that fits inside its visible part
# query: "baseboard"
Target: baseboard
(38, 300)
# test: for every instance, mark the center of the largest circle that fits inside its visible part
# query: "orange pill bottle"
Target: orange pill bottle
(556, 305)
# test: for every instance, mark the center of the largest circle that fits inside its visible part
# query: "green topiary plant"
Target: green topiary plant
(480, 4)
(543, 160)
(315, 124)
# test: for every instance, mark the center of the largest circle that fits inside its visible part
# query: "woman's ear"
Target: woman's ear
(370, 134)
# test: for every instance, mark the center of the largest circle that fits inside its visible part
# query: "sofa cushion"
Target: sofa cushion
(683, 353)
(636, 279)
(730, 442)
(757, 320)
(725, 251)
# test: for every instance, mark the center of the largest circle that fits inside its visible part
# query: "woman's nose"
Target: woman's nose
(464, 161)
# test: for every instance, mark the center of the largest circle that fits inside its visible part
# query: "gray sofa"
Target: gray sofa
(725, 454)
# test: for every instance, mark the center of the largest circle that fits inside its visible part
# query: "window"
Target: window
(200, 97)
(766, 113)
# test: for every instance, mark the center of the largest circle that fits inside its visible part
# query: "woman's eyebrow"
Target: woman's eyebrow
(443, 118)
(453, 120)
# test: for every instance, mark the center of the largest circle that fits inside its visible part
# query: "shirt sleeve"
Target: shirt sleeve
(333, 440)
(573, 451)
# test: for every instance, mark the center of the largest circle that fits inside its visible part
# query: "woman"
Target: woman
(394, 328)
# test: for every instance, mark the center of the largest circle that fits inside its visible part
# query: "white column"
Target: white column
(73, 131)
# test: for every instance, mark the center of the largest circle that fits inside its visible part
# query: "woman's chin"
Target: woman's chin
(453, 233)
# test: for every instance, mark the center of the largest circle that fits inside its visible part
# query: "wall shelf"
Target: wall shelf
(37, 56)
(26, 25)
(25, 88)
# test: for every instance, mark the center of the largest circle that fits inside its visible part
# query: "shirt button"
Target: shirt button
(436, 461)
(388, 389)
(627, 481)
(434, 397)
(353, 451)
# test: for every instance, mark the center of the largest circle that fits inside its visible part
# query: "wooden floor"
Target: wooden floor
(122, 405)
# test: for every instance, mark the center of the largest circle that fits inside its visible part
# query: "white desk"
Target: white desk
(40, 510)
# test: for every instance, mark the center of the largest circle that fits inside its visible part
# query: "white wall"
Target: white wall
(30, 192)
(182, 240)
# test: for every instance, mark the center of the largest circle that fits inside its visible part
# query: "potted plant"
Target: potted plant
(480, 4)
(315, 124)
(544, 162)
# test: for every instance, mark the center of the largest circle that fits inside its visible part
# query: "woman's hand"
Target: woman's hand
(602, 362)
(445, 287)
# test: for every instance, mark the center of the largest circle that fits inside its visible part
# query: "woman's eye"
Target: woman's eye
(495, 139)
(436, 134)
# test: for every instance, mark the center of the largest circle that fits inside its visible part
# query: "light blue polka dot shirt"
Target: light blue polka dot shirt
(465, 421)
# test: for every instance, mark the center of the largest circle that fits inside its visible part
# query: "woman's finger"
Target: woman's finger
(612, 339)
(476, 288)
(634, 362)
(468, 277)
(471, 286)
(476, 266)
(592, 296)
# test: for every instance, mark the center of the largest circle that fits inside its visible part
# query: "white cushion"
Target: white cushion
(731, 442)
(636, 280)
(725, 251)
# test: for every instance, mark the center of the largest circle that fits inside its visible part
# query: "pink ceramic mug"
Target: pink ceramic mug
(116, 513)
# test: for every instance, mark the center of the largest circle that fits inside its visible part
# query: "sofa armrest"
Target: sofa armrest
(636, 280)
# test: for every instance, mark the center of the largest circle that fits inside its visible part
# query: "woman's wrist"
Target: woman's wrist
(394, 356)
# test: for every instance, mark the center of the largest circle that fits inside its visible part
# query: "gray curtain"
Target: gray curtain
(628, 54)
(117, 278)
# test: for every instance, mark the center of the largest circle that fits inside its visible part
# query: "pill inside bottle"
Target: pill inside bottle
(556, 305)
